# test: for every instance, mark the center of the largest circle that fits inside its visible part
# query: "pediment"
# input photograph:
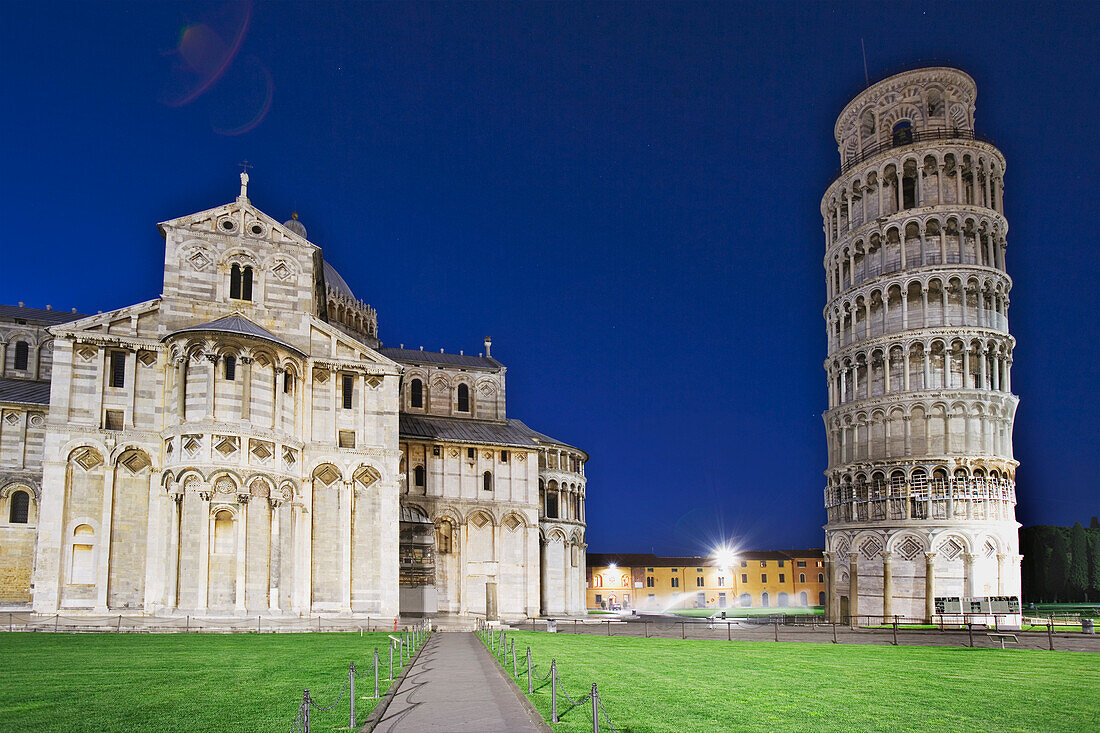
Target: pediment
(135, 321)
(239, 219)
(328, 343)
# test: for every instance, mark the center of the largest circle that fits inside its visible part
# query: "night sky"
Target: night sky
(624, 196)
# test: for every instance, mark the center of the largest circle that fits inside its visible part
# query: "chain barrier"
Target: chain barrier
(489, 638)
(413, 640)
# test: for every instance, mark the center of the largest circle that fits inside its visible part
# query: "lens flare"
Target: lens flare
(204, 52)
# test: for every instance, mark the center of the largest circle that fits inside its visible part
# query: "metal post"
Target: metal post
(259, 626)
(376, 673)
(895, 630)
(530, 689)
(188, 626)
(970, 633)
(595, 710)
(834, 632)
(645, 628)
(608, 627)
(1050, 632)
(10, 614)
(574, 626)
(503, 645)
(118, 627)
(553, 691)
(391, 661)
(305, 711)
(351, 683)
(513, 658)
(683, 630)
(728, 625)
(56, 619)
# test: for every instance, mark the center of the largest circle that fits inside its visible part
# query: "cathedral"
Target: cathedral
(243, 444)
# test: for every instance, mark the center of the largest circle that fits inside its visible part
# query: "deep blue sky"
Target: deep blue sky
(624, 196)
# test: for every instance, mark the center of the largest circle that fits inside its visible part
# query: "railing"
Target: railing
(916, 136)
(962, 489)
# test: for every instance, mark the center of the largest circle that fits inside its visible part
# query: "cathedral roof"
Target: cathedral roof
(38, 314)
(24, 391)
(337, 283)
(238, 325)
(463, 430)
(416, 356)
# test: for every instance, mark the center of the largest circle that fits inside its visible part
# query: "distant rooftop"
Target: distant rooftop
(639, 559)
(38, 316)
(416, 356)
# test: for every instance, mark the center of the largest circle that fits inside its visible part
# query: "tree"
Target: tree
(1094, 523)
(1077, 574)
(1094, 566)
(1057, 565)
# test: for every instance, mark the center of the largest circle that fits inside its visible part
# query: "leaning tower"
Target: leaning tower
(920, 488)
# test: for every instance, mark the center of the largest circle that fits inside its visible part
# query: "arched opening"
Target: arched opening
(235, 282)
(22, 356)
(418, 476)
(82, 569)
(902, 133)
(783, 600)
(802, 577)
(487, 481)
(246, 284)
(20, 507)
(821, 598)
(764, 599)
(224, 535)
(416, 393)
(745, 600)
(230, 368)
(463, 398)
(803, 599)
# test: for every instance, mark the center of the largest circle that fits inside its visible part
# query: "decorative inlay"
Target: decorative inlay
(951, 549)
(909, 549)
(870, 547)
(88, 459)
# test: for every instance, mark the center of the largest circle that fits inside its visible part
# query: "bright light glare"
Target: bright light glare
(612, 566)
(724, 556)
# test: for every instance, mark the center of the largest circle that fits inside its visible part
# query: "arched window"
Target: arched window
(463, 398)
(230, 368)
(745, 600)
(82, 569)
(224, 539)
(802, 577)
(416, 393)
(246, 284)
(821, 577)
(803, 598)
(288, 382)
(487, 481)
(783, 601)
(19, 510)
(240, 283)
(22, 355)
(597, 581)
(764, 599)
(821, 598)
(903, 133)
(418, 475)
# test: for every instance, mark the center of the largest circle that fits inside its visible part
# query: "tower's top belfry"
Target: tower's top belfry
(924, 102)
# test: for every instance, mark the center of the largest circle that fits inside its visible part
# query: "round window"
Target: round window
(228, 225)
(257, 229)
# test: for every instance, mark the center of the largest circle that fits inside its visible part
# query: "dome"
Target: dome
(337, 283)
(296, 226)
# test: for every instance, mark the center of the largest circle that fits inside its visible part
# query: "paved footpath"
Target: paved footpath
(455, 686)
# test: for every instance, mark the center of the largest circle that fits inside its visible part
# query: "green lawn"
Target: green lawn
(657, 685)
(178, 683)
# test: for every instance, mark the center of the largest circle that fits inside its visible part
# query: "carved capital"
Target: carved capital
(206, 495)
(243, 498)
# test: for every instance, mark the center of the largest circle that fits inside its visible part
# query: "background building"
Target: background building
(755, 579)
(920, 489)
(243, 444)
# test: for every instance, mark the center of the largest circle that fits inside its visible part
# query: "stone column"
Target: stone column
(242, 550)
(347, 496)
(276, 400)
(181, 388)
(205, 531)
(830, 588)
(275, 553)
(104, 538)
(1002, 563)
(887, 587)
(969, 585)
(929, 585)
(853, 588)
(544, 578)
(246, 386)
(3, 358)
(172, 585)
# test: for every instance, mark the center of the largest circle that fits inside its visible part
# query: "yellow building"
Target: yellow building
(756, 579)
